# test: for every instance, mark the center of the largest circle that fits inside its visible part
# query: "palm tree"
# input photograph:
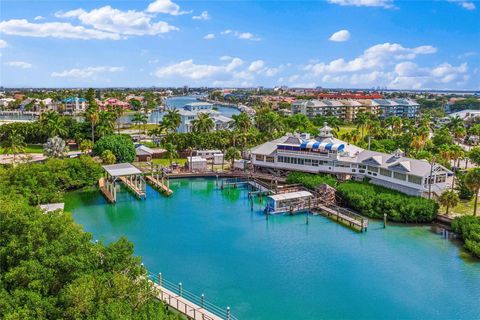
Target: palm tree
(472, 181)
(93, 116)
(139, 118)
(361, 121)
(14, 144)
(55, 148)
(170, 152)
(449, 199)
(232, 154)
(203, 123)
(106, 123)
(242, 122)
(172, 119)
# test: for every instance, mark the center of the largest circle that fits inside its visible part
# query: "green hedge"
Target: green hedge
(373, 201)
(310, 180)
(469, 228)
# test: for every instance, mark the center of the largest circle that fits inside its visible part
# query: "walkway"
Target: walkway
(159, 184)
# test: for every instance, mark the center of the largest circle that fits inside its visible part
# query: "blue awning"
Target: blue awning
(304, 144)
(316, 145)
(329, 146)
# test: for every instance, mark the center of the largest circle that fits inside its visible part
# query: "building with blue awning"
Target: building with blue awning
(327, 154)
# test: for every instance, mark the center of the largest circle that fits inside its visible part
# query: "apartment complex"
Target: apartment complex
(326, 154)
(190, 112)
(349, 108)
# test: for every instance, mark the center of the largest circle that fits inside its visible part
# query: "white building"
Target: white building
(190, 112)
(327, 154)
(197, 163)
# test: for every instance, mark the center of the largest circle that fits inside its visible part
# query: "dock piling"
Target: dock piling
(384, 220)
(180, 289)
(228, 313)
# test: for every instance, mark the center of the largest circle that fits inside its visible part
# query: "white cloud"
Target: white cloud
(165, 6)
(86, 72)
(340, 36)
(387, 65)
(232, 72)
(241, 35)
(21, 27)
(19, 64)
(203, 16)
(38, 18)
(209, 36)
(128, 22)
(256, 66)
(364, 3)
(225, 58)
(469, 5)
(376, 56)
(3, 43)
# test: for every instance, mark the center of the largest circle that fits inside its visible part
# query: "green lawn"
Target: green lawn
(463, 208)
(166, 162)
(344, 129)
(31, 148)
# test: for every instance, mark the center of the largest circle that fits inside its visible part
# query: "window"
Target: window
(270, 159)
(301, 161)
(259, 157)
(415, 179)
(385, 172)
(315, 163)
(361, 171)
(440, 179)
(361, 166)
(373, 169)
(400, 176)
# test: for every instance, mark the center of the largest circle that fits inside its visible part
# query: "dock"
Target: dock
(104, 189)
(134, 185)
(160, 185)
(190, 305)
(127, 173)
(343, 215)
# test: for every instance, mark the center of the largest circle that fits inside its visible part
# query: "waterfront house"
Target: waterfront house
(326, 154)
(190, 112)
(74, 105)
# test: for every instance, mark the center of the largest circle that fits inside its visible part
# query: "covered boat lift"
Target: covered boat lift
(130, 175)
(288, 202)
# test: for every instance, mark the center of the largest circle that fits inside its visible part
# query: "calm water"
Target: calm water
(284, 269)
(179, 102)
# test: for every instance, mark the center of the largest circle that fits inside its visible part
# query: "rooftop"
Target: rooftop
(121, 169)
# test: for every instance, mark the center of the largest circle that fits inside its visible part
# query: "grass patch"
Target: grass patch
(31, 148)
(463, 208)
(166, 162)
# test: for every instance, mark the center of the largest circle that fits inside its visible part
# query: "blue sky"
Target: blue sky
(332, 43)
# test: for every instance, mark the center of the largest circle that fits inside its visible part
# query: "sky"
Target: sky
(390, 44)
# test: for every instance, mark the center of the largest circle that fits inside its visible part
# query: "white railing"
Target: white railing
(196, 307)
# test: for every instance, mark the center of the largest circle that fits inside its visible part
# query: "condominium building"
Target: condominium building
(75, 105)
(349, 109)
(326, 154)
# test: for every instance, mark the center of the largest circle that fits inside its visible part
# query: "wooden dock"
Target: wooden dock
(159, 185)
(343, 215)
(110, 197)
(132, 186)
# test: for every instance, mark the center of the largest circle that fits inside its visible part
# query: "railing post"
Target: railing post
(228, 313)
(202, 300)
(160, 279)
(180, 289)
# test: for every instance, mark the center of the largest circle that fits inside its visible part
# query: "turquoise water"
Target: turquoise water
(214, 244)
(179, 102)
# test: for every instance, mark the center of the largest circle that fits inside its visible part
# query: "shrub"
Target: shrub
(310, 180)
(469, 228)
(121, 146)
(374, 201)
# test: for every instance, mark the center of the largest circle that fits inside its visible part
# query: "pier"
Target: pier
(159, 183)
(190, 305)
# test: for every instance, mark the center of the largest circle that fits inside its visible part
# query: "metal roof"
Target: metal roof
(121, 169)
(290, 195)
